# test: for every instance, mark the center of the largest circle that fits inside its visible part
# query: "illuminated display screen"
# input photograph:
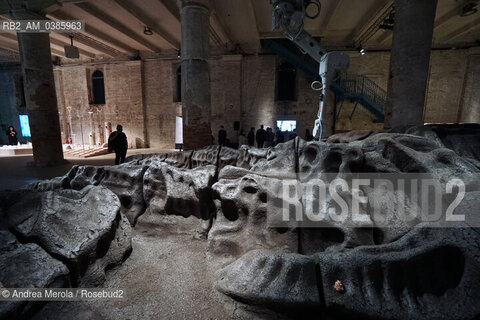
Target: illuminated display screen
(287, 125)
(24, 125)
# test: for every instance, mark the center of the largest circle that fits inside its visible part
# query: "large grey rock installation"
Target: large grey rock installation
(27, 266)
(60, 238)
(381, 268)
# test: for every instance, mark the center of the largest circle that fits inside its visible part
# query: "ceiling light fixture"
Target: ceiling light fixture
(361, 50)
(469, 9)
(71, 51)
(178, 54)
(147, 31)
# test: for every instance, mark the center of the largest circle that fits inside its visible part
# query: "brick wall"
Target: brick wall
(123, 101)
(140, 95)
(160, 108)
(243, 89)
(451, 92)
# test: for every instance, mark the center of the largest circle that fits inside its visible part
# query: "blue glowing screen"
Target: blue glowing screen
(24, 125)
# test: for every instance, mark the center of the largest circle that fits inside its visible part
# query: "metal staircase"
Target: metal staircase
(358, 89)
(363, 91)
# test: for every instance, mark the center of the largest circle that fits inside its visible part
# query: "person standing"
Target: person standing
(251, 137)
(308, 135)
(118, 143)
(261, 136)
(293, 135)
(222, 136)
(280, 136)
(270, 137)
(12, 136)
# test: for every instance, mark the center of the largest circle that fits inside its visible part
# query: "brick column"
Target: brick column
(195, 16)
(409, 62)
(40, 94)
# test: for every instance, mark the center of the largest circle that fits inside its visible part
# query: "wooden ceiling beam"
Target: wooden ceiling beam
(450, 14)
(62, 44)
(373, 14)
(462, 30)
(218, 31)
(9, 41)
(330, 13)
(171, 7)
(95, 38)
(115, 24)
(140, 16)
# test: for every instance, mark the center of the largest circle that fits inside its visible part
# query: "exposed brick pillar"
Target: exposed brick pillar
(40, 94)
(409, 62)
(195, 17)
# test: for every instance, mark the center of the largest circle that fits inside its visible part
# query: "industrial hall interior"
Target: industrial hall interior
(239, 159)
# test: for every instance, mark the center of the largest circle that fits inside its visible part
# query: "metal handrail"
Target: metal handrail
(361, 85)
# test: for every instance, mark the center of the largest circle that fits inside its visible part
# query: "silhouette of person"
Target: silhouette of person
(270, 137)
(280, 136)
(292, 135)
(12, 136)
(222, 136)
(308, 135)
(118, 143)
(261, 136)
(251, 137)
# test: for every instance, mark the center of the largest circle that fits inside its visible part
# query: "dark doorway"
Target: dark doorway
(286, 82)
(98, 87)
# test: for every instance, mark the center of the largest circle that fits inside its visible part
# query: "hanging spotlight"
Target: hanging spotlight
(71, 51)
(361, 50)
(147, 31)
(178, 54)
(469, 9)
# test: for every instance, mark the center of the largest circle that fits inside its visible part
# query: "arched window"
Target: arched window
(178, 85)
(98, 86)
(286, 82)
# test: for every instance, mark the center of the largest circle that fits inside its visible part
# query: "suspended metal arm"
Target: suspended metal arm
(290, 15)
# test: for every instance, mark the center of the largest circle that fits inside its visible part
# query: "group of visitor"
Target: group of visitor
(264, 138)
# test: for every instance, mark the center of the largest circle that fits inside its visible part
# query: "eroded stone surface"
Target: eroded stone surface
(387, 269)
(462, 139)
(431, 273)
(27, 266)
(180, 159)
(55, 183)
(281, 281)
(351, 136)
(126, 181)
(76, 227)
(206, 156)
(173, 191)
(247, 205)
(274, 161)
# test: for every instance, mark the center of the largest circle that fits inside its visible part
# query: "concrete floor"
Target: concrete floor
(167, 277)
(15, 172)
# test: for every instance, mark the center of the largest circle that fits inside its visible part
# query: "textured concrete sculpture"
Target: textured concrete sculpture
(381, 269)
